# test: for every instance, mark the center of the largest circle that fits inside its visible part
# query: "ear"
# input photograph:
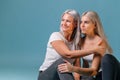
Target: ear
(95, 28)
(95, 25)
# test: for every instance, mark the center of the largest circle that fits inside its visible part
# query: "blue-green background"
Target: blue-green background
(25, 26)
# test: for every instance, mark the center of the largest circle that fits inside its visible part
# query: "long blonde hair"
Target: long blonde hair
(99, 28)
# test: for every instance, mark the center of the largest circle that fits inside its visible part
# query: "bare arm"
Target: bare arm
(64, 51)
(89, 71)
(67, 67)
(77, 63)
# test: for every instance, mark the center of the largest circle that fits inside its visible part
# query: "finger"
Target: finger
(60, 65)
(62, 69)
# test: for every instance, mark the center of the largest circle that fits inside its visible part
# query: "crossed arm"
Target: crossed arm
(67, 67)
(64, 51)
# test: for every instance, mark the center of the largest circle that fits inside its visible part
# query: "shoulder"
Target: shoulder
(55, 34)
(98, 39)
(101, 41)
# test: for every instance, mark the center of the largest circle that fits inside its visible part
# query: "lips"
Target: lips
(82, 29)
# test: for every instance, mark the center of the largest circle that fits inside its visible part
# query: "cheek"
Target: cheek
(71, 26)
(81, 27)
(91, 28)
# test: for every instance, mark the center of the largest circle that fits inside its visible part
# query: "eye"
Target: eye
(87, 22)
(62, 19)
(68, 21)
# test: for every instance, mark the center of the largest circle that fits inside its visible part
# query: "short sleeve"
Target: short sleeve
(55, 36)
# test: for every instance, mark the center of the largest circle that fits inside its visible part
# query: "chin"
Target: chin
(83, 32)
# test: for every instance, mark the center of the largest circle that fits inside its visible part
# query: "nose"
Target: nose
(82, 25)
(64, 23)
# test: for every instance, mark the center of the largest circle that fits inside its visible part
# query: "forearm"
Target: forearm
(77, 63)
(91, 71)
(84, 71)
(76, 76)
(64, 51)
(80, 53)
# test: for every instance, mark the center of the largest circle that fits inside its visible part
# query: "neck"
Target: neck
(90, 36)
(67, 36)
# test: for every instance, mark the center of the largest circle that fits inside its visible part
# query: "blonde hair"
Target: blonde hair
(99, 28)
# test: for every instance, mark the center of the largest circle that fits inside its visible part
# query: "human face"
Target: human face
(87, 26)
(67, 23)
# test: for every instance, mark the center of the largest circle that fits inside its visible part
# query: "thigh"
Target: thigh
(87, 78)
(51, 73)
(65, 76)
(48, 76)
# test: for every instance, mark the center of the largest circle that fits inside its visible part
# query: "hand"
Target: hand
(100, 48)
(65, 67)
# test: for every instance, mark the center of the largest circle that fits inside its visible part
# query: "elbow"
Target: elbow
(94, 73)
(69, 55)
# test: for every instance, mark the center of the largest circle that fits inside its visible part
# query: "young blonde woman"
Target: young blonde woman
(93, 32)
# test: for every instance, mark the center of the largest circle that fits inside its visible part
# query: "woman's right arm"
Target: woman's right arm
(64, 51)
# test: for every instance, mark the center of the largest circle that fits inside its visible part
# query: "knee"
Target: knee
(108, 58)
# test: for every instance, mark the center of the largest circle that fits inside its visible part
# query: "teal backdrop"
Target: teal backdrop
(25, 26)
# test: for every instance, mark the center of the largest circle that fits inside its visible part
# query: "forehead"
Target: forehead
(85, 18)
(66, 15)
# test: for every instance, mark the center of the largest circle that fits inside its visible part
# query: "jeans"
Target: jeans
(110, 68)
(52, 73)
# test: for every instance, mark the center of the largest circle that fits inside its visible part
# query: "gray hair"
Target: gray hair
(76, 33)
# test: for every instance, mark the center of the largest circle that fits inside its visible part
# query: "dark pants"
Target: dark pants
(52, 73)
(110, 68)
(97, 77)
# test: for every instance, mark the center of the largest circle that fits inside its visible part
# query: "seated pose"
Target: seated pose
(64, 45)
(92, 29)
(111, 68)
(58, 41)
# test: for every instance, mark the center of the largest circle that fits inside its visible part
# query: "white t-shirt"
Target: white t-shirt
(51, 54)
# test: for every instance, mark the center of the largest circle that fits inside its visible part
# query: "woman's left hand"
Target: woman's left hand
(65, 67)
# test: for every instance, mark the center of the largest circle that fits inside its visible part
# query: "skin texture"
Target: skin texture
(67, 26)
(91, 41)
